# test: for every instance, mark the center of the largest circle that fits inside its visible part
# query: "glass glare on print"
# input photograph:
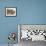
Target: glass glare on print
(10, 11)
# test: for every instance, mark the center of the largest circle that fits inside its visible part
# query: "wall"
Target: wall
(28, 12)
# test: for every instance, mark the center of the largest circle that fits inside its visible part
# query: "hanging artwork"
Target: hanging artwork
(10, 11)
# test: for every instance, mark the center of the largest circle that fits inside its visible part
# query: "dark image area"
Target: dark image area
(11, 12)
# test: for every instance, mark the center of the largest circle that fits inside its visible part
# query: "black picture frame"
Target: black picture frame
(13, 8)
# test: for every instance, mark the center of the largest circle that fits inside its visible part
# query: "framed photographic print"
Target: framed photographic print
(10, 11)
